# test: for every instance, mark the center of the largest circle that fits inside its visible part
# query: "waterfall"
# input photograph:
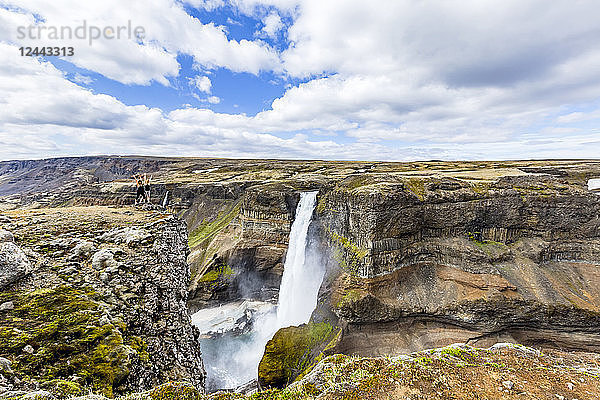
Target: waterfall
(301, 281)
(232, 360)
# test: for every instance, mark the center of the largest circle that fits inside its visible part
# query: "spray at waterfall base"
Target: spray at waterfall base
(235, 334)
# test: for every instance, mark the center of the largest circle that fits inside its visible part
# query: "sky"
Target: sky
(302, 79)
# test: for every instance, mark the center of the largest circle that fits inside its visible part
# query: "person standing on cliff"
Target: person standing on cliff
(147, 187)
(140, 195)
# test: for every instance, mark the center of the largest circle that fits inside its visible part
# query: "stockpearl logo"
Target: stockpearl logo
(84, 31)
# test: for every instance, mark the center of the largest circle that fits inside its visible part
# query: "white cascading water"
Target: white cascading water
(233, 360)
(301, 281)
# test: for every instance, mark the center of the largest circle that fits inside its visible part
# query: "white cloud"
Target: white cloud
(230, 21)
(578, 116)
(451, 72)
(83, 79)
(208, 5)
(272, 24)
(202, 83)
(169, 30)
(35, 122)
(382, 80)
(248, 7)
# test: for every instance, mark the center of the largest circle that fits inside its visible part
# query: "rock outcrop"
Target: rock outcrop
(454, 372)
(249, 239)
(105, 308)
(293, 350)
(457, 371)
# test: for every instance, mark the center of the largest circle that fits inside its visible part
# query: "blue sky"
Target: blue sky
(238, 92)
(402, 80)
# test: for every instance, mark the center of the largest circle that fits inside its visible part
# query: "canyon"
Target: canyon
(416, 255)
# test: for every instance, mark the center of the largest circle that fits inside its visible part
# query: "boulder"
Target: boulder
(125, 333)
(6, 236)
(104, 258)
(14, 264)
(83, 249)
(39, 395)
(5, 364)
(127, 235)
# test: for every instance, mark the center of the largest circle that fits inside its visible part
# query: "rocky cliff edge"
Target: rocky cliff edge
(93, 299)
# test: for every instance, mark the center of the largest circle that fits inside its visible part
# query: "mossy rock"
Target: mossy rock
(350, 298)
(349, 256)
(71, 344)
(291, 351)
(207, 230)
(417, 187)
(174, 391)
(63, 388)
(167, 391)
(219, 272)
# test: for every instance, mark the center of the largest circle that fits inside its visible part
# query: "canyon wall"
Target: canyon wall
(419, 254)
(426, 262)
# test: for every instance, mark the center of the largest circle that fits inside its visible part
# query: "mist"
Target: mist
(230, 359)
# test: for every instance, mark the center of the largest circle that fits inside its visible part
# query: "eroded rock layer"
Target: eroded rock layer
(428, 262)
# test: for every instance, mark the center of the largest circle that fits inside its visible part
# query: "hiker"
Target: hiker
(140, 195)
(147, 187)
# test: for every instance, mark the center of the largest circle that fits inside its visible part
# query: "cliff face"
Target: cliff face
(239, 252)
(427, 262)
(102, 305)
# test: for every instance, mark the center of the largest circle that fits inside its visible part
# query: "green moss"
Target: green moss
(174, 391)
(269, 394)
(423, 361)
(63, 327)
(210, 276)
(481, 188)
(456, 352)
(107, 365)
(351, 297)
(335, 338)
(354, 182)
(227, 396)
(541, 190)
(495, 365)
(208, 229)
(467, 358)
(291, 351)
(321, 204)
(337, 359)
(348, 245)
(141, 347)
(219, 272)
(417, 187)
(63, 388)
(352, 257)
(488, 246)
